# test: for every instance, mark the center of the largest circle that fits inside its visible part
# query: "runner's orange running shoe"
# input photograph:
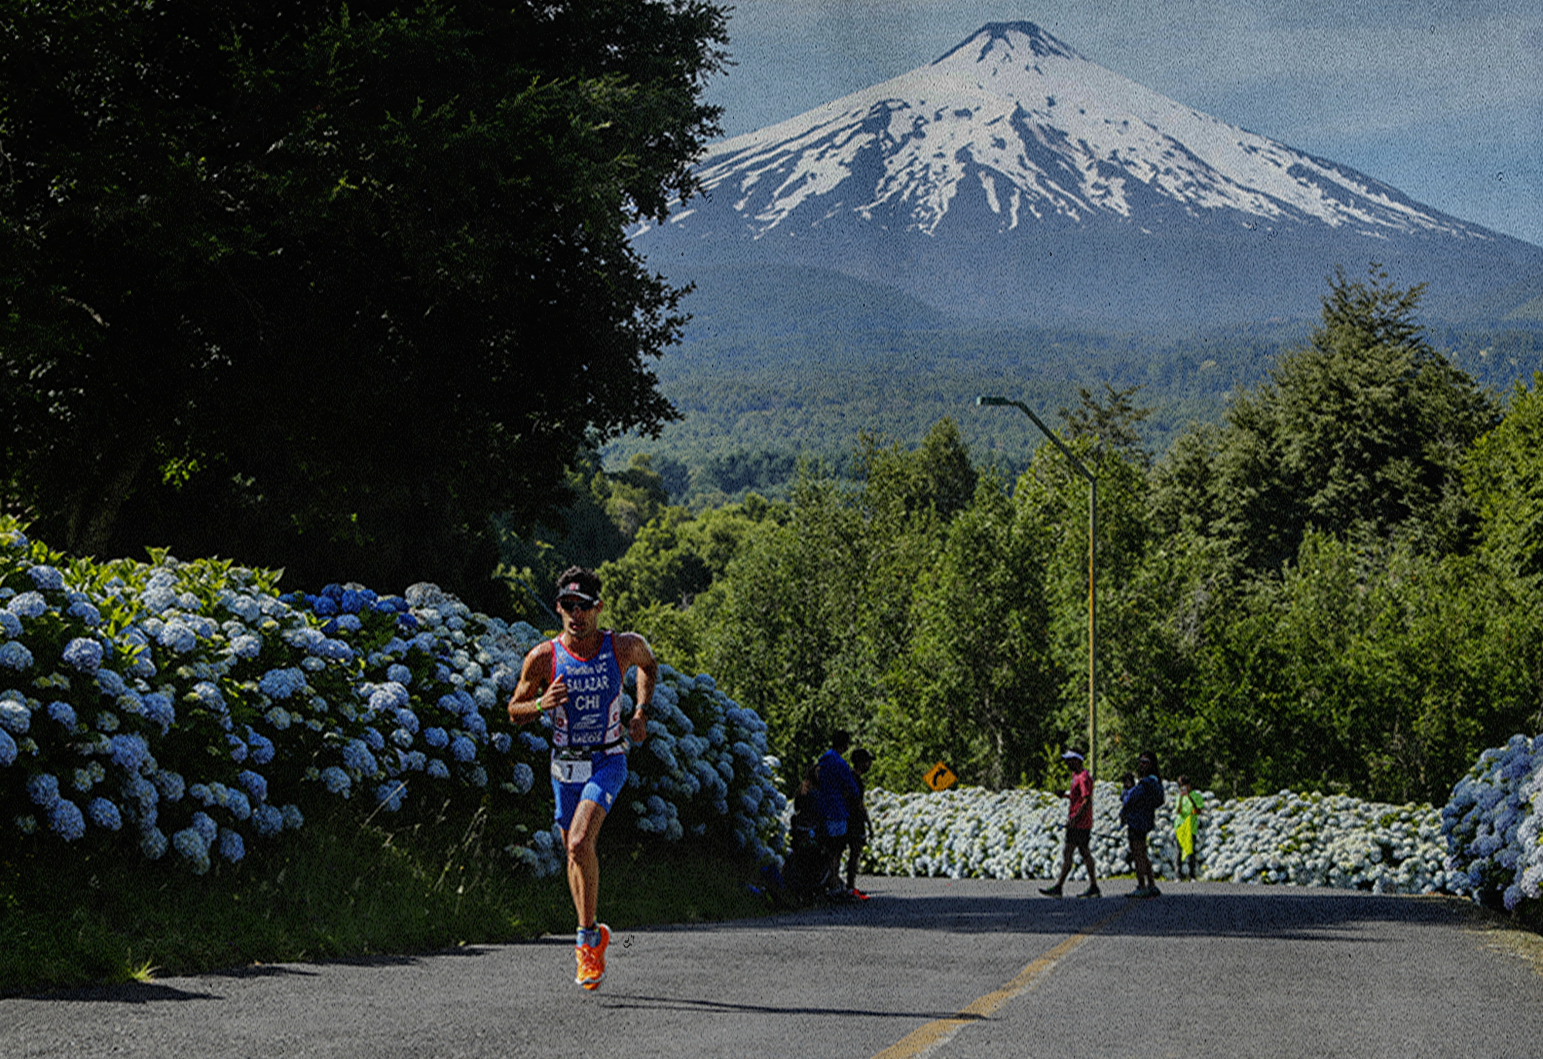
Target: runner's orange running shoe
(591, 959)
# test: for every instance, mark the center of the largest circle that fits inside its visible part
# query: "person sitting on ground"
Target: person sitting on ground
(806, 872)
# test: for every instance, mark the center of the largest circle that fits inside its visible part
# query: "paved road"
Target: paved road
(963, 970)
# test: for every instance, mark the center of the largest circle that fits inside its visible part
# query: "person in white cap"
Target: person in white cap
(576, 680)
(1079, 827)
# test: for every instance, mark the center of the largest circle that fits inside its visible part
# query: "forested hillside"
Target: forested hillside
(861, 358)
(1332, 584)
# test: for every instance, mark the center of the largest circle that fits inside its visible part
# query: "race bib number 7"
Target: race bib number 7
(576, 771)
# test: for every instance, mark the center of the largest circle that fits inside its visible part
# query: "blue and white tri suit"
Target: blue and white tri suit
(589, 745)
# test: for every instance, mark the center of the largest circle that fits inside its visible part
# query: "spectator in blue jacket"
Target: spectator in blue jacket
(1139, 812)
(839, 797)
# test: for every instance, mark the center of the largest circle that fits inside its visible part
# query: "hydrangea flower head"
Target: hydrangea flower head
(389, 795)
(104, 814)
(160, 710)
(43, 789)
(171, 785)
(14, 716)
(14, 655)
(130, 752)
(65, 817)
(153, 843)
(28, 605)
(245, 645)
(47, 578)
(86, 612)
(260, 746)
(357, 756)
(282, 683)
(84, 654)
(524, 778)
(268, 820)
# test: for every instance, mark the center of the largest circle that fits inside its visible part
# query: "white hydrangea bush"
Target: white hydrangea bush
(1492, 825)
(1326, 840)
(1306, 840)
(191, 708)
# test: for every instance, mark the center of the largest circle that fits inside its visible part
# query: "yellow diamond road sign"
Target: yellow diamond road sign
(940, 777)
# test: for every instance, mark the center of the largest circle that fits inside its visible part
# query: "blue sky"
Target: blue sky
(1442, 100)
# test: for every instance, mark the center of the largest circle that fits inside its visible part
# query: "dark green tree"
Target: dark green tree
(1504, 475)
(1114, 421)
(665, 582)
(937, 476)
(1359, 434)
(324, 285)
(975, 685)
(785, 616)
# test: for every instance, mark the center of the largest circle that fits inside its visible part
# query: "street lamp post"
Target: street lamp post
(1000, 402)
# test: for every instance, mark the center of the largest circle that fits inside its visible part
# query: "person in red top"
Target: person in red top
(1079, 827)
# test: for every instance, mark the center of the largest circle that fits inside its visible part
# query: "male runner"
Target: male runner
(576, 679)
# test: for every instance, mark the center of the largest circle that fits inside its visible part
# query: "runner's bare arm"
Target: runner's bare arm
(536, 692)
(633, 650)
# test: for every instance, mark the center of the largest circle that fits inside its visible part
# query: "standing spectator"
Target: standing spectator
(837, 796)
(1140, 816)
(1079, 827)
(857, 823)
(1188, 808)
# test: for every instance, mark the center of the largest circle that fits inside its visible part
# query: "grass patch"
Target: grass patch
(336, 888)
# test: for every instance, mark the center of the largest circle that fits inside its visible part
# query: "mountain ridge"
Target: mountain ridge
(1012, 179)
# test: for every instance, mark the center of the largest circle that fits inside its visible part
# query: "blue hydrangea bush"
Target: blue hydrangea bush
(1306, 840)
(1492, 825)
(191, 710)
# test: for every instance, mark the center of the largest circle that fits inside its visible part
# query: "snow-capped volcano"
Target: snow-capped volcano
(1014, 177)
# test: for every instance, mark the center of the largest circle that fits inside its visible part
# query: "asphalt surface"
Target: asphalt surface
(958, 969)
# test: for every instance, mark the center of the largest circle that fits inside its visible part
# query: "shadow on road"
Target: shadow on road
(1196, 909)
(652, 1002)
(164, 992)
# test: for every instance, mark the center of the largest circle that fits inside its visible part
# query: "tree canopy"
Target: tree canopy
(325, 285)
(1359, 433)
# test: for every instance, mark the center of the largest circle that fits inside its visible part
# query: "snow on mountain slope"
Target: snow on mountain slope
(1013, 149)
(1049, 132)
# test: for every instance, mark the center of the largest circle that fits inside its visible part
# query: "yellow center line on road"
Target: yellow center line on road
(938, 1032)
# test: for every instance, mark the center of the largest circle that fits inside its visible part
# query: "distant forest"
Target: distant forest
(752, 408)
